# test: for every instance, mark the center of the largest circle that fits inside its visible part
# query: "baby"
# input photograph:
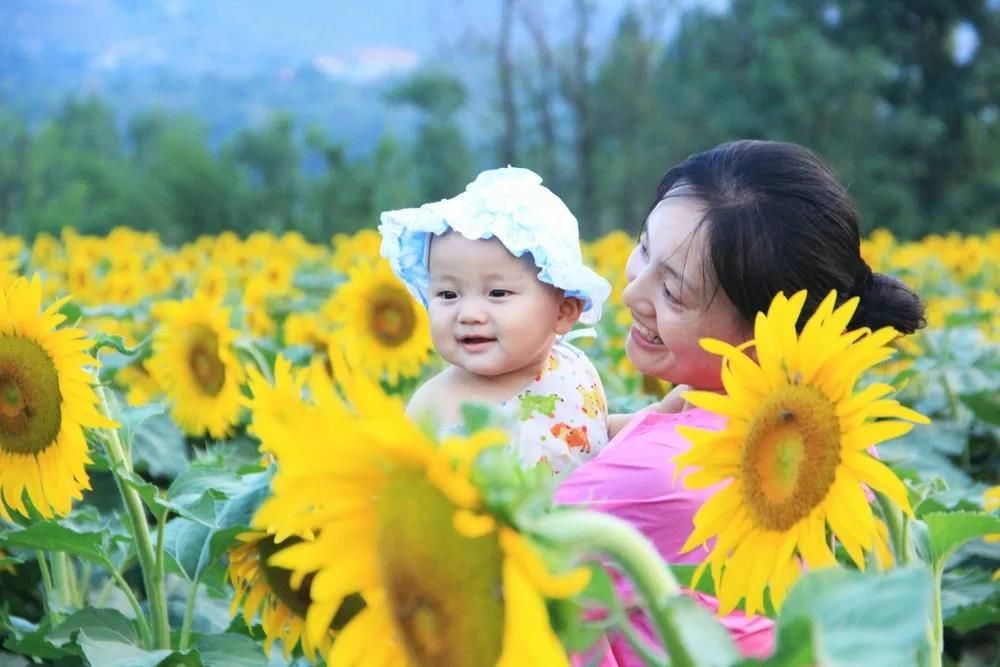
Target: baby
(500, 271)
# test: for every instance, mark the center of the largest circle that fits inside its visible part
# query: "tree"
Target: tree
(443, 160)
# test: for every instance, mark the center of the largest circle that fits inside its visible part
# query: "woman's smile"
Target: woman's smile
(645, 335)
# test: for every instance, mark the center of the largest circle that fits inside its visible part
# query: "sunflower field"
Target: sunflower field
(205, 460)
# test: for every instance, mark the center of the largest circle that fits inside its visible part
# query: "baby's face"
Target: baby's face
(489, 312)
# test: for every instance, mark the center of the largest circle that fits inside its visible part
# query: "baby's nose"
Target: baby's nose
(471, 311)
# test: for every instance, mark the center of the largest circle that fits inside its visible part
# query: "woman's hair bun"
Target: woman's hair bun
(886, 301)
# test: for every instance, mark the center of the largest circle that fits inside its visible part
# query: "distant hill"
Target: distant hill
(233, 63)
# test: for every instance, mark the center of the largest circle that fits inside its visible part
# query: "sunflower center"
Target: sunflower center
(448, 611)
(392, 317)
(30, 400)
(204, 362)
(790, 457)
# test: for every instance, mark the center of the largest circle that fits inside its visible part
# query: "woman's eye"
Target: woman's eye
(499, 293)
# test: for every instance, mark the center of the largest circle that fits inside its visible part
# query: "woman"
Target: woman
(729, 229)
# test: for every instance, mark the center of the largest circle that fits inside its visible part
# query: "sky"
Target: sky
(344, 38)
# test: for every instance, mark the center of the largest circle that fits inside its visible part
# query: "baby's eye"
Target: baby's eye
(447, 294)
(499, 293)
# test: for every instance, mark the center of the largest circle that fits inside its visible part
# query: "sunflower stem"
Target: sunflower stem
(43, 568)
(591, 532)
(937, 621)
(102, 597)
(898, 525)
(188, 615)
(151, 566)
(81, 592)
(61, 575)
(140, 616)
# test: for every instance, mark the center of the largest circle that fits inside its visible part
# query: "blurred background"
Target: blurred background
(191, 117)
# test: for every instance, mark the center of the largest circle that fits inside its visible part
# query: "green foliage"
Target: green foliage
(839, 617)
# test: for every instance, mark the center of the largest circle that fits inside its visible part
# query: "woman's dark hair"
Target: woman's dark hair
(778, 221)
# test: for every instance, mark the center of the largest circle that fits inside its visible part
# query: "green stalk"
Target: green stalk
(937, 621)
(188, 615)
(899, 528)
(61, 576)
(594, 532)
(140, 616)
(43, 568)
(151, 566)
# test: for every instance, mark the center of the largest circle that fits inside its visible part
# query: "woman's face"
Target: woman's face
(674, 300)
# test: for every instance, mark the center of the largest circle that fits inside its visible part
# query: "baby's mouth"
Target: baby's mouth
(475, 340)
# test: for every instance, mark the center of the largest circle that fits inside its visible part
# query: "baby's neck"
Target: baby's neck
(493, 389)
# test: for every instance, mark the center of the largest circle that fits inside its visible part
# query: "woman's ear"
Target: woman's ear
(570, 310)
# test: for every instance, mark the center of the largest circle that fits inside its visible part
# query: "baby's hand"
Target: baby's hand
(673, 401)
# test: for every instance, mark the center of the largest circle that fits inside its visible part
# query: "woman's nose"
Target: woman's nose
(634, 295)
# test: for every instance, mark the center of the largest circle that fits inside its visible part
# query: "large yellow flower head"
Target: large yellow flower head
(381, 326)
(45, 402)
(793, 457)
(377, 508)
(261, 588)
(194, 363)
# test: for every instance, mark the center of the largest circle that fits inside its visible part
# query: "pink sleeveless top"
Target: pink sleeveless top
(632, 479)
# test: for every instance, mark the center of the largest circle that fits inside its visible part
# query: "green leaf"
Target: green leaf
(950, 530)
(196, 480)
(230, 650)
(858, 618)
(794, 646)
(685, 573)
(72, 312)
(27, 638)
(99, 624)
(985, 405)
(186, 542)
(157, 444)
(970, 599)
(109, 653)
(49, 536)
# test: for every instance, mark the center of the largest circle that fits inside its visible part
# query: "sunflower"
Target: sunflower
(194, 362)
(264, 588)
(45, 402)
(350, 250)
(793, 456)
(380, 325)
(394, 516)
(140, 387)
